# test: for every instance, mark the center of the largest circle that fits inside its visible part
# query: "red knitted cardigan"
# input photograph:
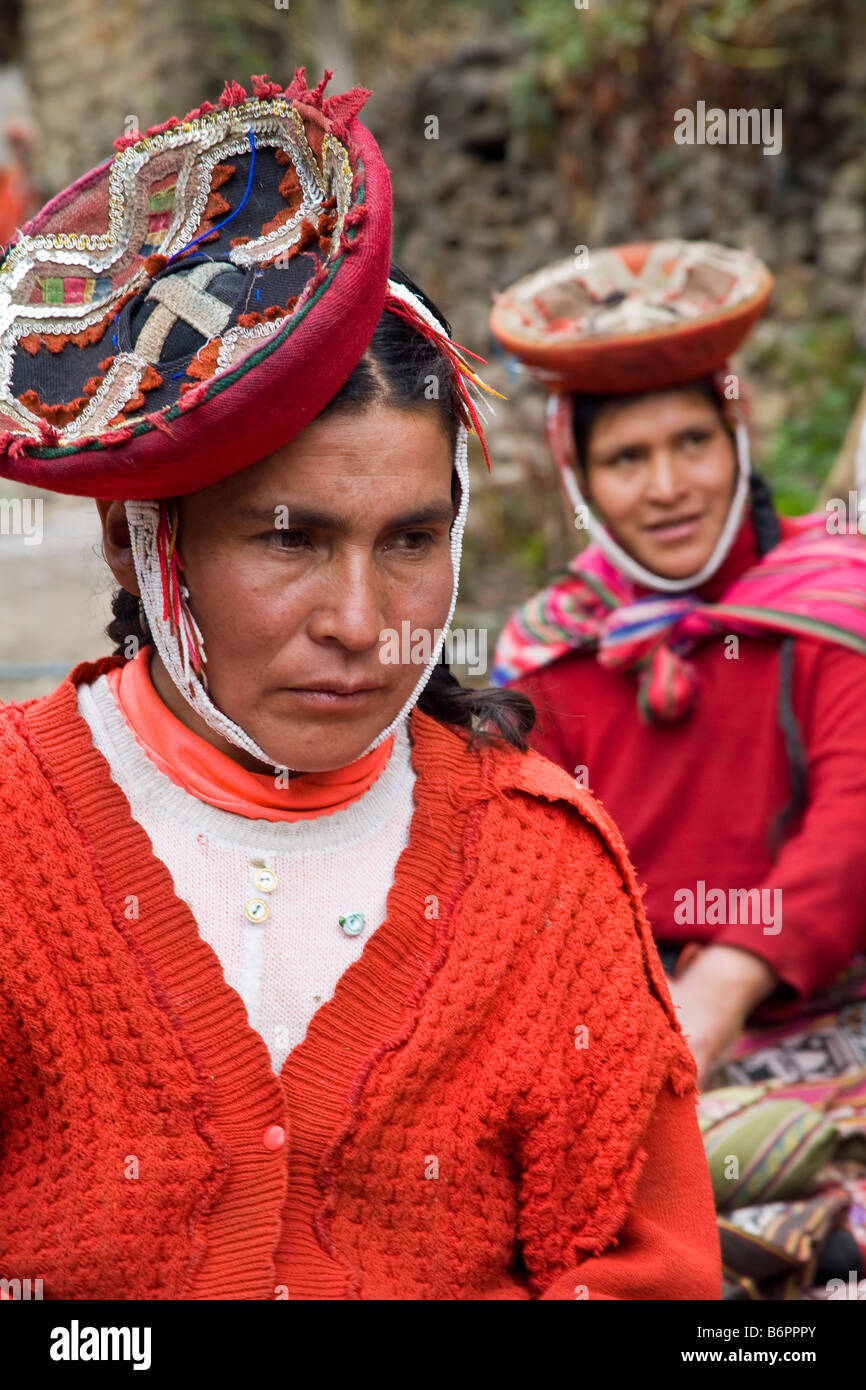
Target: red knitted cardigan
(497, 1101)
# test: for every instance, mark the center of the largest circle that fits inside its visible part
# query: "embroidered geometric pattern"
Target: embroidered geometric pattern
(160, 206)
(143, 217)
(184, 299)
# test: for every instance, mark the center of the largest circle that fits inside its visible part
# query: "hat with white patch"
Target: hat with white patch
(190, 305)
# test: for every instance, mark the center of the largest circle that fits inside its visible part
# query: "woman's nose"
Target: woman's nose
(350, 608)
(665, 482)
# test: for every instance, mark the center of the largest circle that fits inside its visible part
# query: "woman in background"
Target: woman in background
(701, 666)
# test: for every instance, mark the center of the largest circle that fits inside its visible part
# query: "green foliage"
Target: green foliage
(578, 39)
(566, 41)
(533, 553)
(572, 40)
(824, 373)
(240, 37)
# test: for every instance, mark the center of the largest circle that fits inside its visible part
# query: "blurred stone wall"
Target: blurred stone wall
(89, 65)
(505, 188)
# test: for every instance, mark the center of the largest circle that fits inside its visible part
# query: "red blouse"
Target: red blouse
(696, 799)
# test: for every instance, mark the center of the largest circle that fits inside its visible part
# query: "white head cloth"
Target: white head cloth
(143, 518)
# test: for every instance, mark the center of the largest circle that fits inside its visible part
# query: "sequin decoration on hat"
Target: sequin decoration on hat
(147, 311)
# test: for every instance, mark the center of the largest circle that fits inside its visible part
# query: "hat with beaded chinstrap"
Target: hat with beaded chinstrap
(625, 320)
(190, 305)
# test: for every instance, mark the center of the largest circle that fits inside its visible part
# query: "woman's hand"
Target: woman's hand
(714, 997)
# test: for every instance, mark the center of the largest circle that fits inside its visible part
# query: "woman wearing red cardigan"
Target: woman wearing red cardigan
(316, 983)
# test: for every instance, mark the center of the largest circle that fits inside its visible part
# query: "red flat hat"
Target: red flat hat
(632, 318)
(189, 306)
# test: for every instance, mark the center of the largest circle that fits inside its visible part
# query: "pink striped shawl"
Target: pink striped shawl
(810, 585)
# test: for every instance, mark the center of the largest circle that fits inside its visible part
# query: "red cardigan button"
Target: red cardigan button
(274, 1137)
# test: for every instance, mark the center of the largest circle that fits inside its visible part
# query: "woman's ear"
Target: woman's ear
(116, 545)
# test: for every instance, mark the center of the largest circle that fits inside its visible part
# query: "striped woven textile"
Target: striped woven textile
(784, 1127)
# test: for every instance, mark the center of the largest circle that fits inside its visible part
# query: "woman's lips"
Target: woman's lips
(675, 530)
(325, 699)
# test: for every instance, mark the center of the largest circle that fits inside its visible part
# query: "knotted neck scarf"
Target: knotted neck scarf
(810, 585)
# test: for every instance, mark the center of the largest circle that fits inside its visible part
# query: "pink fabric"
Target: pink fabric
(811, 585)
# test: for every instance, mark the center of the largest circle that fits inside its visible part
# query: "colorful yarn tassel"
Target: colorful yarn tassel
(175, 611)
(666, 687)
(464, 376)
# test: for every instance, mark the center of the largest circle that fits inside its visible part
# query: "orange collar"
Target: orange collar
(202, 770)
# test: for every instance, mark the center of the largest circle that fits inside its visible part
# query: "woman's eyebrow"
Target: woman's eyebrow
(611, 450)
(296, 517)
(695, 426)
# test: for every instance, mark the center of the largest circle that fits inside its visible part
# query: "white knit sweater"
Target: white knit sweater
(286, 966)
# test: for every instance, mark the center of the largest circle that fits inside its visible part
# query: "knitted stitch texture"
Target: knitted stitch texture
(467, 1117)
(338, 863)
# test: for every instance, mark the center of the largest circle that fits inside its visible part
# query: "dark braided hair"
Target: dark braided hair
(768, 533)
(397, 370)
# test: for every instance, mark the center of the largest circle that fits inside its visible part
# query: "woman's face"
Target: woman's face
(662, 472)
(297, 565)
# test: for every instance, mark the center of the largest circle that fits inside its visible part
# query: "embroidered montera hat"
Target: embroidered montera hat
(632, 318)
(190, 305)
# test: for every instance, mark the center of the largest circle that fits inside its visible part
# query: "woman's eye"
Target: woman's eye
(414, 540)
(287, 540)
(626, 456)
(696, 437)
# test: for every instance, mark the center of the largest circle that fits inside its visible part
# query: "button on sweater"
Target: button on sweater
(496, 1102)
(286, 964)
